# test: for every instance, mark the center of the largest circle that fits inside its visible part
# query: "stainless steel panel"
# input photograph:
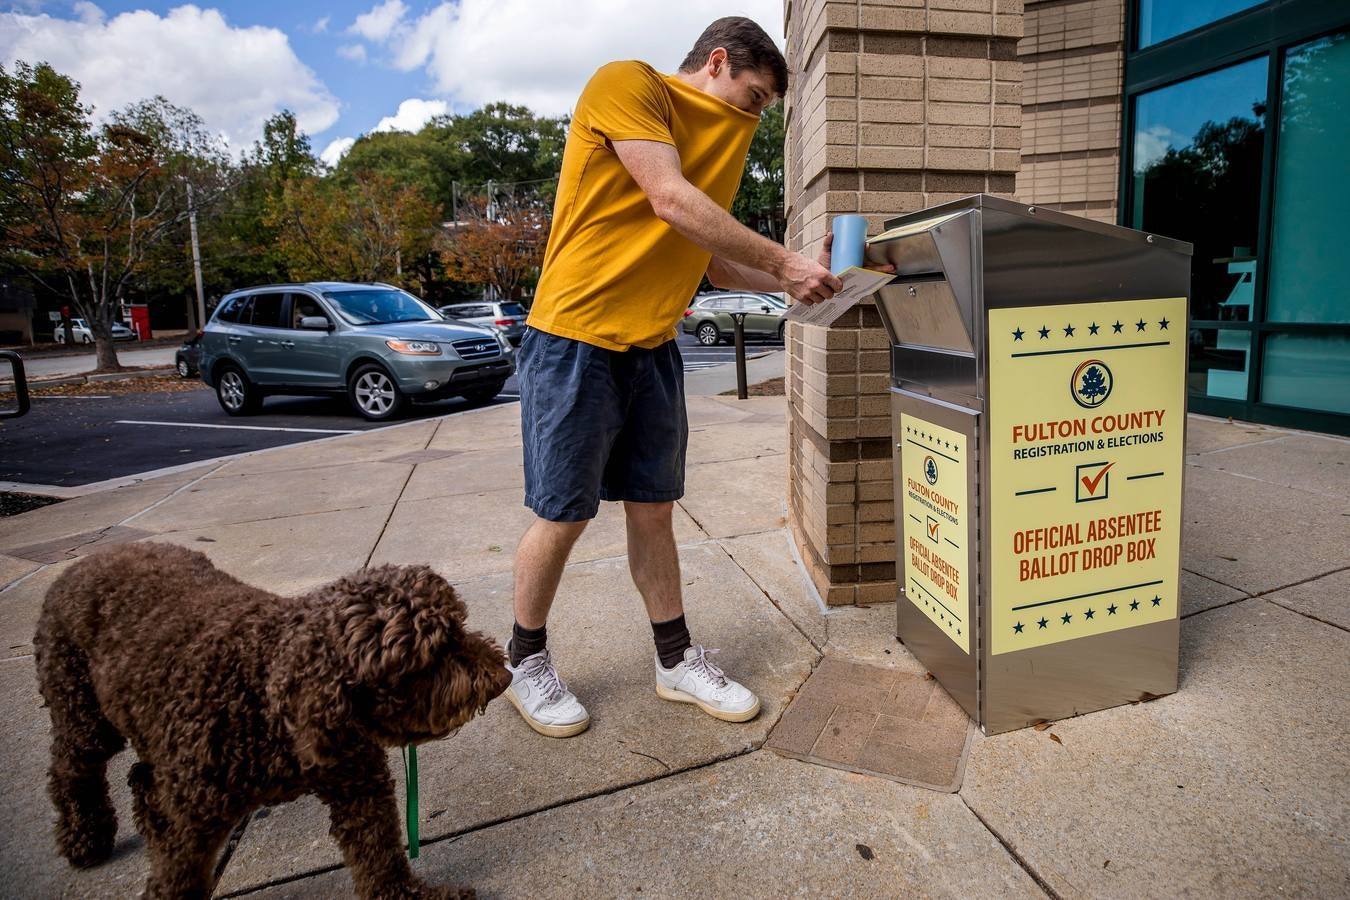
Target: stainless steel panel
(1061, 680)
(956, 671)
(1004, 253)
(924, 314)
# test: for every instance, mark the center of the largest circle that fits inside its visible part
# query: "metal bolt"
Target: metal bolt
(1148, 239)
(912, 292)
(1031, 210)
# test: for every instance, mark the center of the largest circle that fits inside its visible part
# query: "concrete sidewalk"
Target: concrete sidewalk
(1236, 786)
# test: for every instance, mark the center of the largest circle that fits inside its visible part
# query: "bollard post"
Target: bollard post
(739, 319)
(20, 386)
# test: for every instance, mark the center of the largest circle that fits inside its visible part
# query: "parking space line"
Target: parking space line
(240, 427)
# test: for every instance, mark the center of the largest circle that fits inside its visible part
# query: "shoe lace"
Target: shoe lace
(705, 667)
(544, 676)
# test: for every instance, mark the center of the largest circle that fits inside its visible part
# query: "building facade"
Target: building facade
(1223, 123)
(1214, 121)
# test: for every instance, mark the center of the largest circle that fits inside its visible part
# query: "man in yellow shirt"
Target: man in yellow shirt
(649, 173)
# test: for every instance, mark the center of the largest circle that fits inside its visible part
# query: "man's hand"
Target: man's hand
(806, 280)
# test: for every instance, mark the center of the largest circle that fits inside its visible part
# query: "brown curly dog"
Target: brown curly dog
(234, 698)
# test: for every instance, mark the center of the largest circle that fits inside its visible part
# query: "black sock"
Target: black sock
(526, 642)
(672, 639)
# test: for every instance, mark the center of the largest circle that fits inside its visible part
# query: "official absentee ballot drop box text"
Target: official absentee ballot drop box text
(1038, 366)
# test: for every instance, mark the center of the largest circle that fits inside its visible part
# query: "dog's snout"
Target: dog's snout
(503, 681)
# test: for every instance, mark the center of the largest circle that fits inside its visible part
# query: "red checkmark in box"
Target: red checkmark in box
(933, 530)
(1093, 481)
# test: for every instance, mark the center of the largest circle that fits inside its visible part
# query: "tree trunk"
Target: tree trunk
(104, 347)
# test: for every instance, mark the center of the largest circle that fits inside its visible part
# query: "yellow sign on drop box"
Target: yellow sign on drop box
(933, 465)
(1086, 424)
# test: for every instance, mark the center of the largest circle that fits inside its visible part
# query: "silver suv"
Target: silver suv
(379, 345)
(507, 316)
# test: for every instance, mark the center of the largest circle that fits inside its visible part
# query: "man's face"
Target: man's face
(750, 89)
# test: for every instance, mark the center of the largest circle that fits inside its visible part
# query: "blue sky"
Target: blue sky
(347, 68)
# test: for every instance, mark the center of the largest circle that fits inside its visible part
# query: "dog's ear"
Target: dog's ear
(396, 619)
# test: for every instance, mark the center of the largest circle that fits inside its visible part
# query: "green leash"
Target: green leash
(410, 782)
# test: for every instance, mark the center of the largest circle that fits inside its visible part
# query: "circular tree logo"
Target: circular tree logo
(1091, 384)
(930, 469)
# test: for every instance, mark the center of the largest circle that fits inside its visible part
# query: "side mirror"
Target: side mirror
(317, 323)
(764, 309)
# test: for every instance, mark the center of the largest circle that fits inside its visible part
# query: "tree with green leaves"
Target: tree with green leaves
(759, 202)
(85, 208)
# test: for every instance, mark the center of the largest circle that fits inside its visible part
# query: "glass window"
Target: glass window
(229, 311)
(380, 307)
(1163, 19)
(303, 305)
(1197, 153)
(512, 309)
(1219, 360)
(1312, 190)
(267, 310)
(1307, 370)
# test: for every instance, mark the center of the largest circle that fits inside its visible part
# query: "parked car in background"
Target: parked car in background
(708, 318)
(507, 316)
(379, 345)
(186, 357)
(83, 334)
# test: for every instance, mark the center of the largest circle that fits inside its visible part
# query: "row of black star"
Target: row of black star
(940, 613)
(1067, 618)
(929, 437)
(1069, 330)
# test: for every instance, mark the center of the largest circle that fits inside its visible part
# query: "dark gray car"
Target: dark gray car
(375, 343)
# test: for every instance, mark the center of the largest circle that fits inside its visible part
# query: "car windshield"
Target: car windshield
(512, 309)
(381, 307)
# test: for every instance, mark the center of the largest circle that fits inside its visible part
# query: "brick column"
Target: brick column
(894, 106)
(1073, 56)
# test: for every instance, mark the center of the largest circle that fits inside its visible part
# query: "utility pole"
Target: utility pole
(196, 258)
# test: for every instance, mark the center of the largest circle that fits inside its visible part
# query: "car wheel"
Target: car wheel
(374, 394)
(708, 334)
(184, 370)
(86, 339)
(237, 395)
(782, 327)
(484, 394)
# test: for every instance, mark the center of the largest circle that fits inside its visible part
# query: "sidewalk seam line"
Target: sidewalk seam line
(1302, 581)
(772, 602)
(162, 500)
(1271, 440)
(1287, 487)
(1007, 846)
(394, 507)
(1308, 615)
(505, 820)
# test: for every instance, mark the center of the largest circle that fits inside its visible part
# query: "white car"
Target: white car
(83, 335)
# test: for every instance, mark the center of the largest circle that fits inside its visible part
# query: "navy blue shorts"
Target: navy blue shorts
(599, 424)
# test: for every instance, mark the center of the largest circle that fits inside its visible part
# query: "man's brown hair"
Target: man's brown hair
(747, 46)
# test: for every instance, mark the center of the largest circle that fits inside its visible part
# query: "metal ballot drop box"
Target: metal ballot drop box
(1038, 397)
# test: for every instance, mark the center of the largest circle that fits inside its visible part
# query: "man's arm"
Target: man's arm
(656, 168)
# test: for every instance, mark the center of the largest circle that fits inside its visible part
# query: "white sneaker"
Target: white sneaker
(698, 681)
(543, 700)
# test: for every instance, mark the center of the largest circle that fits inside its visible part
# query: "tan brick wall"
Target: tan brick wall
(1073, 57)
(893, 106)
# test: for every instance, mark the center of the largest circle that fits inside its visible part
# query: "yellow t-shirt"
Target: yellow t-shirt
(614, 274)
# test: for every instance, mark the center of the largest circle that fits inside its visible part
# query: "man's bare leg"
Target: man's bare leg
(540, 560)
(653, 560)
(536, 690)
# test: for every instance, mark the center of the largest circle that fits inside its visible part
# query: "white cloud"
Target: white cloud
(1152, 145)
(233, 77)
(321, 26)
(413, 114)
(335, 150)
(381, 21)
(479, 51)
(354, 52)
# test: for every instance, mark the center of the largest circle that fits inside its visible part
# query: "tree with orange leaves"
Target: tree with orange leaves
(499, 241)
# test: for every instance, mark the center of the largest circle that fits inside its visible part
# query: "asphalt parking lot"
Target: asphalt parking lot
(69, 441)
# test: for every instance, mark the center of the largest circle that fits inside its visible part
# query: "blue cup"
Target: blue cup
(850, 238)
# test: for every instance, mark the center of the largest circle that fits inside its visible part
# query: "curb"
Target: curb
(33, 385)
